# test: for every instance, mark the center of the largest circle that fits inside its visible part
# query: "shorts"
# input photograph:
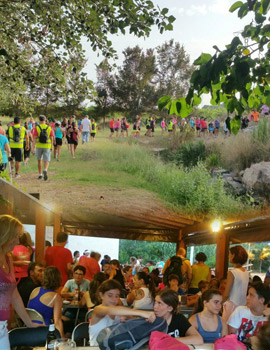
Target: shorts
(58, 141)
(4, 340)
(43, 153)
(112, 130)
(198, 128)
(17, 154)
(93, 134)
(147, 127)
(169, 130)
(116, 129)
(73, 142)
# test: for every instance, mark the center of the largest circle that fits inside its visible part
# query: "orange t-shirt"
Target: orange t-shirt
(255, 116)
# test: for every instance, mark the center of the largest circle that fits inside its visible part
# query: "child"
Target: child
(193, 299)
(116, 272)
(108, 312)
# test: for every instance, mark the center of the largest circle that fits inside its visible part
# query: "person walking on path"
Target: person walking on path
(43, 138)
(16, 135)
(85, 128)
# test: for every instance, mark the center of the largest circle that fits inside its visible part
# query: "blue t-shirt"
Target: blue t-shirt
(3, 141)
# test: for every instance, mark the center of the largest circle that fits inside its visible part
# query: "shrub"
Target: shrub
(189, 154)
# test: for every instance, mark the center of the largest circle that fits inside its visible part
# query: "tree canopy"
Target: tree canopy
(37, 33)
(237, 76)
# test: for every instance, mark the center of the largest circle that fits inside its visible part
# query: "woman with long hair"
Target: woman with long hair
(47, 301)
(91, 298)
(167, 307)
(206, 319)
(10, 230)
(21, 256)
(143, 294)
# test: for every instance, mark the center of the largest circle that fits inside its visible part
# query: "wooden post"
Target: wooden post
(222, 251)
(180, 242)
(40, 233)
(56, 227)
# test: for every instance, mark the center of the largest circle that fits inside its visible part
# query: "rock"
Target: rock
(219, 172)
(257, 178)
(235, 187)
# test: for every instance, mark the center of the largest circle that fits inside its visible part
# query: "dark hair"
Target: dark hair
(108, 285)
(95, 283)
(52, 278)
(170, 298)
(173, 277)
(81, 268)
(107, 257)
(75, 253)
(202, 284)
(201, 257)
(48, 244)
(31, 267)
(148, 282)
(25, 239)
(206, 296)
(42, 118)
(61, 237)
(211, 282)
(127, 268)
(262, 290)
(240, 254)
(256, 278)
(263, 338)
(115, 262)
(17, 120)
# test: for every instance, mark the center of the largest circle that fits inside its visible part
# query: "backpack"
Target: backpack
(229, 342)
(16, 134)
(174, 268)
(93, 126)
(43, 136)
(160, 341)
(132, 334)
(74, 136)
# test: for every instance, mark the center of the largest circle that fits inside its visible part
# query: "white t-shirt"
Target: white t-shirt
(247, 324)
(238, 292)
(94, 330)
(86, 125)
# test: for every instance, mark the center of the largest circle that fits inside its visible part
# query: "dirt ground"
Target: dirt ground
(59, 195)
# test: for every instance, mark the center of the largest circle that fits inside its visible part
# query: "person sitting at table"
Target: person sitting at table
(143, 294)
(167, 306)
(192, 300)
(173, 281)
(46, 301)
(109, 313)
(91, 298)
(206, 319)
(78, 285)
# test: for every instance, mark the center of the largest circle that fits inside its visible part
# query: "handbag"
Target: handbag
(160, 341)
(229, 342)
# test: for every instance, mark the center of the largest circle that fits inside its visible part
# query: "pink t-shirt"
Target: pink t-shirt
(21, 253)
(7, 287)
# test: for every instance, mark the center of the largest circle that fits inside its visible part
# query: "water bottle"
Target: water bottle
(51, 337)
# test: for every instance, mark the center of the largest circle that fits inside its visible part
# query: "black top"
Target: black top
(178, 326)
(25, 288)
(119, 277)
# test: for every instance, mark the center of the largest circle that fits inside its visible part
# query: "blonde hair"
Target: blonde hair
(8, 229)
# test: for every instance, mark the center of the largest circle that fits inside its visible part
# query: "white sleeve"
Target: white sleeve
(235, 319)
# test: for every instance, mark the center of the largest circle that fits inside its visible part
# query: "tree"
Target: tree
(33, 28)
(136, 86)
(237, 76)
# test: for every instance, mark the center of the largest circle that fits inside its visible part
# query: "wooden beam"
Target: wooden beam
(40, 234)
(180, 242)
(222, 251)
(56, 227)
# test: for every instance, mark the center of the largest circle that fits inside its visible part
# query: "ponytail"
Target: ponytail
(148, 282)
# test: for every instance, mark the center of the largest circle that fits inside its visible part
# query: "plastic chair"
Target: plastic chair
(80, 334)
(88, 315)
(35, 316)
(29, 336)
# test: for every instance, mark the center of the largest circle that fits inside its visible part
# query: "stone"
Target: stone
(257, 178)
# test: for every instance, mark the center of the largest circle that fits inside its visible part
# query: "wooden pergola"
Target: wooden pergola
(136, 226)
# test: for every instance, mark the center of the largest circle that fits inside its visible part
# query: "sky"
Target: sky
(199, 25)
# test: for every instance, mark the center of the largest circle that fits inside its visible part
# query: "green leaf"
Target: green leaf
(204, 58)
(163, 102)
(235, 6)
(196, 100)
(3, 52)
(243, 11)
(235, 125)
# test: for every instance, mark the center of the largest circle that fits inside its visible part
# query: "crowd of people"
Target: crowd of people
(233, 305)
(44, 138)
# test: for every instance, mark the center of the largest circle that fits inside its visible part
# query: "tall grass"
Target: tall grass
(193, 190)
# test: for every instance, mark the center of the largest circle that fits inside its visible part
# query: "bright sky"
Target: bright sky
(199, 25)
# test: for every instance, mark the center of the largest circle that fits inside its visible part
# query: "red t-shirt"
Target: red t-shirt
(59, 257)
(111, 124)
(91, 265)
